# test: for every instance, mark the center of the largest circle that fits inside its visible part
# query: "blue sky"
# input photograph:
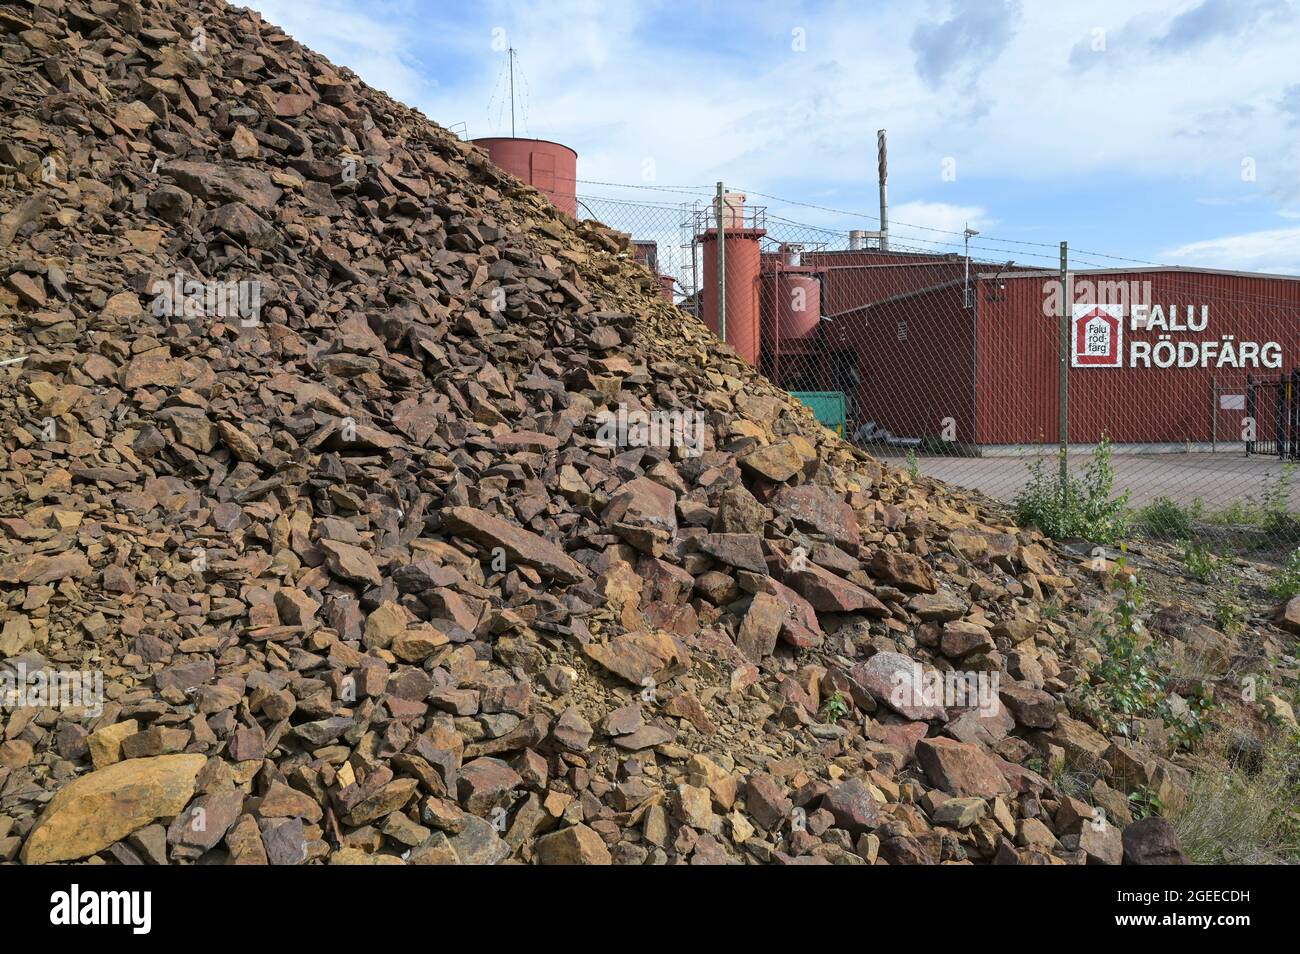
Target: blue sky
(1165, 132)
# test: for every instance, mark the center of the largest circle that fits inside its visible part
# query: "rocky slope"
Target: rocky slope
(365, 580)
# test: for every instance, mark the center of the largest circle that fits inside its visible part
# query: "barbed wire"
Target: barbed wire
(841, 234)
(656, 188)
(1082, 255)
(986, 252)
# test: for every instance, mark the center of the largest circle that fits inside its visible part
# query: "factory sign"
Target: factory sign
(1098, 337)
(1226, 350)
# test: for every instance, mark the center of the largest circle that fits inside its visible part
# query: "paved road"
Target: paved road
(1217, 479)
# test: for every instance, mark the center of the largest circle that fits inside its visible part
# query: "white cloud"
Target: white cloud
(376, 47)
(602, 78)
(974, 34)
(940, 216)
(774, 114)
(623, 82)
(1269, 250)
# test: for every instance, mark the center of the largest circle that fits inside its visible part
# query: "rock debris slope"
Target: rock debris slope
(305, 459)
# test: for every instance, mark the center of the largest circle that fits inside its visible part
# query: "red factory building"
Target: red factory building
(924, 348)
(1158, 356)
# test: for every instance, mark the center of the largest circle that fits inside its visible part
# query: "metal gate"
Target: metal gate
(1274, 407)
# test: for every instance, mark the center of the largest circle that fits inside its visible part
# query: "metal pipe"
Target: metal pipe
(967, 233)
(722, 266)
(1214, 414)
(776, 324)
(695, 274)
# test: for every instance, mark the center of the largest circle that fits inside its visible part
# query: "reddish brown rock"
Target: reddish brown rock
(519, 545)
(820, 510)
(766, 801)
(575, 845)
(741, 550)
(900, 683)
(903, 570)
(1032, 708)
(829, 593)
(960, 768)
(853, 806)
(961, 638)
(485, 783)
(642, 656)
(761, 626)
(1152, 841)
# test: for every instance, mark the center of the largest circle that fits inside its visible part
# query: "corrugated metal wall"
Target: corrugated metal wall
(1015, 363)
(1017, 358)
(915, 356)
(853, 279)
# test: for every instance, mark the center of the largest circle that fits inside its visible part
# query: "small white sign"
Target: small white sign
(1098, 337)
(1232, 402)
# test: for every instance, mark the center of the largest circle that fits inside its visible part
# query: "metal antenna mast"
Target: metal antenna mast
(511, 53)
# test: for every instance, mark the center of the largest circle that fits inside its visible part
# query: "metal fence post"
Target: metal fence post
(1251, 407)
(1214, 415)
(1063, 382)
(1283, 392)
(1294, 415)
(722, 267)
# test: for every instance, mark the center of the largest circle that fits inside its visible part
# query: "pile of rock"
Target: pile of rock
(310, 459)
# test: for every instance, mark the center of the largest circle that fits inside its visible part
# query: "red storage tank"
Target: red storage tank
(743, 292)
(795, 298)
(549, 167)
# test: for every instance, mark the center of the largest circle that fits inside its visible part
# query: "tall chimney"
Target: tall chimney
(884, 196)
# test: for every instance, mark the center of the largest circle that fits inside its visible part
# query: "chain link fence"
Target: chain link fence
(966, 357)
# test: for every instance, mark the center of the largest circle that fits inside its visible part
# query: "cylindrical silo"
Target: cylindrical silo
(742, 249)
(792, 305)
(547, 166)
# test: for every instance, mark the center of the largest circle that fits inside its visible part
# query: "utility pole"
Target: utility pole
(1063, 383)
(722, 266)
(511, 53)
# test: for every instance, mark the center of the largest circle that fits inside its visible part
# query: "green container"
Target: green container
(828, 406)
